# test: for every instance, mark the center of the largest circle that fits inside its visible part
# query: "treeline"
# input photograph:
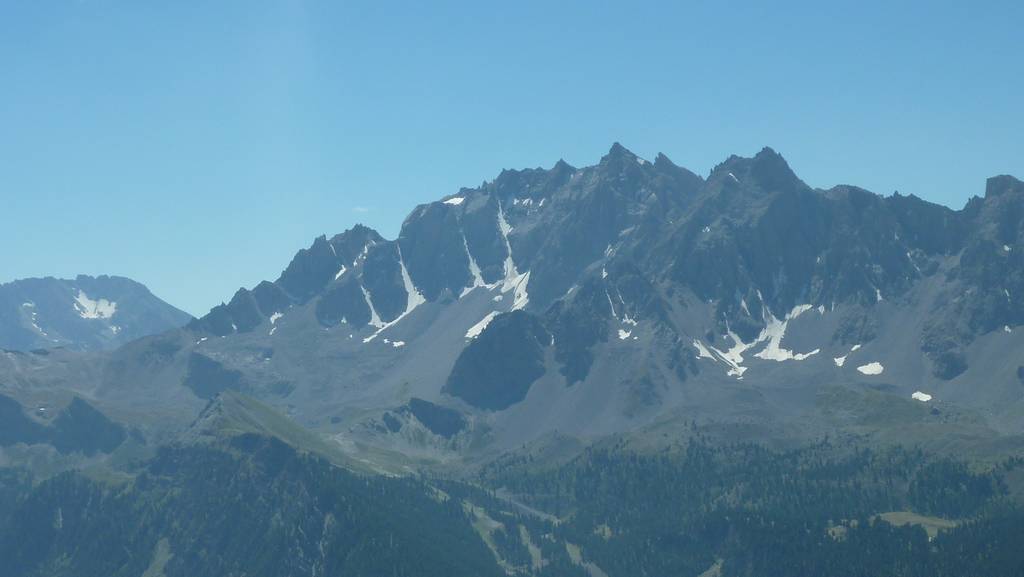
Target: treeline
(812, 511)
(254, 506)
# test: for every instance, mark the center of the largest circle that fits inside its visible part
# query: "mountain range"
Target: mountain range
(611, 298)
(630, 304)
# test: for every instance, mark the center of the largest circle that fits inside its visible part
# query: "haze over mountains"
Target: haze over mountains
(549, 310)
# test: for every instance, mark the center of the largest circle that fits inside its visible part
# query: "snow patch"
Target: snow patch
(374, 317)
(919, 396)
(514, 280)
(771, 336)
(475, 330)
(874, 368)
(273, 321)
(94, 309)
(774, 331)
(365, 251)
(702, 351)
(1007, 329)
(1006, 248)
(623, 335)
(839, 361)
(413, 299)
(505, 229)
(520, 297)
(455, 201)
(474, 269)
(734, 356)
(398, 344)
(338, 274)
(35, 315)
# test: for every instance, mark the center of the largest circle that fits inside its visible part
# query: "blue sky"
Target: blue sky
(196, 146)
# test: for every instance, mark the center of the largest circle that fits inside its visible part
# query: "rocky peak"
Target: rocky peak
(312, 268)
(533, 183)
(619, 160)
(766, 172)
(616, 152)
(563, 167)
(1003, 184)
(772, 172)
(675, 178)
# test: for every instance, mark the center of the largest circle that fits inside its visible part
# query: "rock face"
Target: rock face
(617, 297)
(496, 370)
(85, 313)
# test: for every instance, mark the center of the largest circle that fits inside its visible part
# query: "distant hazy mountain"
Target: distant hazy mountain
(86, 313)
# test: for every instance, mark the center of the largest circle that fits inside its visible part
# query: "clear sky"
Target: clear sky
(195, 146)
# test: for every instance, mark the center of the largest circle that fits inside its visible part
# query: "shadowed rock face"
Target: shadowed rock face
(82, 428)
(78, 428)
(84, 313)
(344, 302)
(16, 427)
(207, 377)
(437, 419)
(496, 370)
